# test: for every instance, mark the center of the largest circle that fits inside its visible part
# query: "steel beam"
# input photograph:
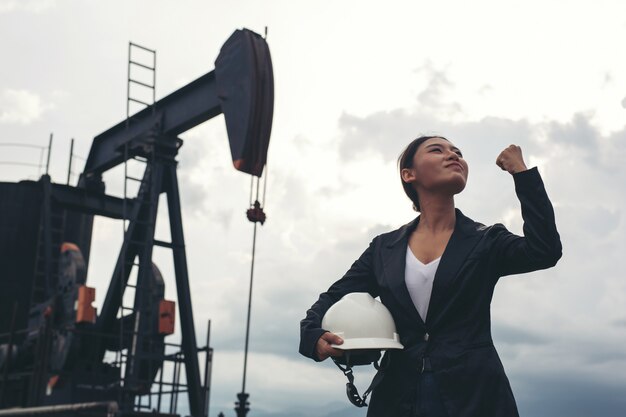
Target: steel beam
(135, 234)
(90, 202)
(192, 368)
(178, 112)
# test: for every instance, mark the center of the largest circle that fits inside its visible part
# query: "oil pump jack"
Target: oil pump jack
(55, 351)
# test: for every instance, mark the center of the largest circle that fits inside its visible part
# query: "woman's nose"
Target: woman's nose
(453, 155)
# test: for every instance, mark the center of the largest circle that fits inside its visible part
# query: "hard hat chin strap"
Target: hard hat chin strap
(351, 390)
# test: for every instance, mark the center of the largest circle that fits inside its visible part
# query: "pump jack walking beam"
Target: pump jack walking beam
(180, 111)
(241, 87)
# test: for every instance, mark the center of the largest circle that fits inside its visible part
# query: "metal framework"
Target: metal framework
(137, 378)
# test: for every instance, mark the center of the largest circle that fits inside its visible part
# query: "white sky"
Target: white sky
(355, 82)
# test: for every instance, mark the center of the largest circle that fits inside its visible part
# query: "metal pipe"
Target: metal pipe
(139, 64)
(49, 149)
(111, 408)
(23, 164)
(22, 145)
(69, 167)
(130, 44)
(160, 392)
(142, 47)
(154, 82)
(47, 232)
(177, 389)
(7, 362)
(207, 370)
(40, 161)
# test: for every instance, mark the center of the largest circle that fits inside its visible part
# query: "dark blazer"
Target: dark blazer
(457, 333)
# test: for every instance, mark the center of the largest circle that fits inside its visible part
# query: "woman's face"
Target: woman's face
(438, 166)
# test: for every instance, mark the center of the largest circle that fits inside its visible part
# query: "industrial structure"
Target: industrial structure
(58, 355)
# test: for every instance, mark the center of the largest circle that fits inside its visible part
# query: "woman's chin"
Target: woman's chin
(456, 187)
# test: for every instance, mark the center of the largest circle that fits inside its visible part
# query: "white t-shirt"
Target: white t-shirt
(419, 279)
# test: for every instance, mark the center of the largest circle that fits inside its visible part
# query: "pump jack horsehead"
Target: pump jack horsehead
(54, 349)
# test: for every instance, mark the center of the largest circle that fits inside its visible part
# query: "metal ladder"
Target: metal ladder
(50, 236)
(136, 83)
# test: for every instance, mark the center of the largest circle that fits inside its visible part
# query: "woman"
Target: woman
(436, 275)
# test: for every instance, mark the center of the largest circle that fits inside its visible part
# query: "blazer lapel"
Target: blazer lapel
(463, 239)
(394, 265)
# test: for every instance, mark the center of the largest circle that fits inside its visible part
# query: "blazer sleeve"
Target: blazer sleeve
(359, 278)
(540, 247)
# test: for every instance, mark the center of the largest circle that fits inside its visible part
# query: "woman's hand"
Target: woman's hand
(323, 348)
(511, 160)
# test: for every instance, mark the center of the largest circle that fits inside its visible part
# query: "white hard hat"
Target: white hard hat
(362, 323)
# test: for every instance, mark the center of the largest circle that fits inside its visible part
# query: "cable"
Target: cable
(245, 355)
(256, 215)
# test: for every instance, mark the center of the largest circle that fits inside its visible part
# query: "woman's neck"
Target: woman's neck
(437, 214)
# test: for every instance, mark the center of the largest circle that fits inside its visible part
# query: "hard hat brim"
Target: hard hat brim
(368, 343)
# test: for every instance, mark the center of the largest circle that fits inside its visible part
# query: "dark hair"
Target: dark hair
(405, 160)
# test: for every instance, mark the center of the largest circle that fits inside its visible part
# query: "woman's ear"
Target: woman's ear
(407, 174)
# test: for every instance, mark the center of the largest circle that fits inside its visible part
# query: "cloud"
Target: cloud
(387, 132)
(21, 107)
(579, 133)
(31, 6)
(433, 96)
(286, 283)
(570, 394)
(517, 335)
(597, 221)
(314, 389)
(619, 323)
